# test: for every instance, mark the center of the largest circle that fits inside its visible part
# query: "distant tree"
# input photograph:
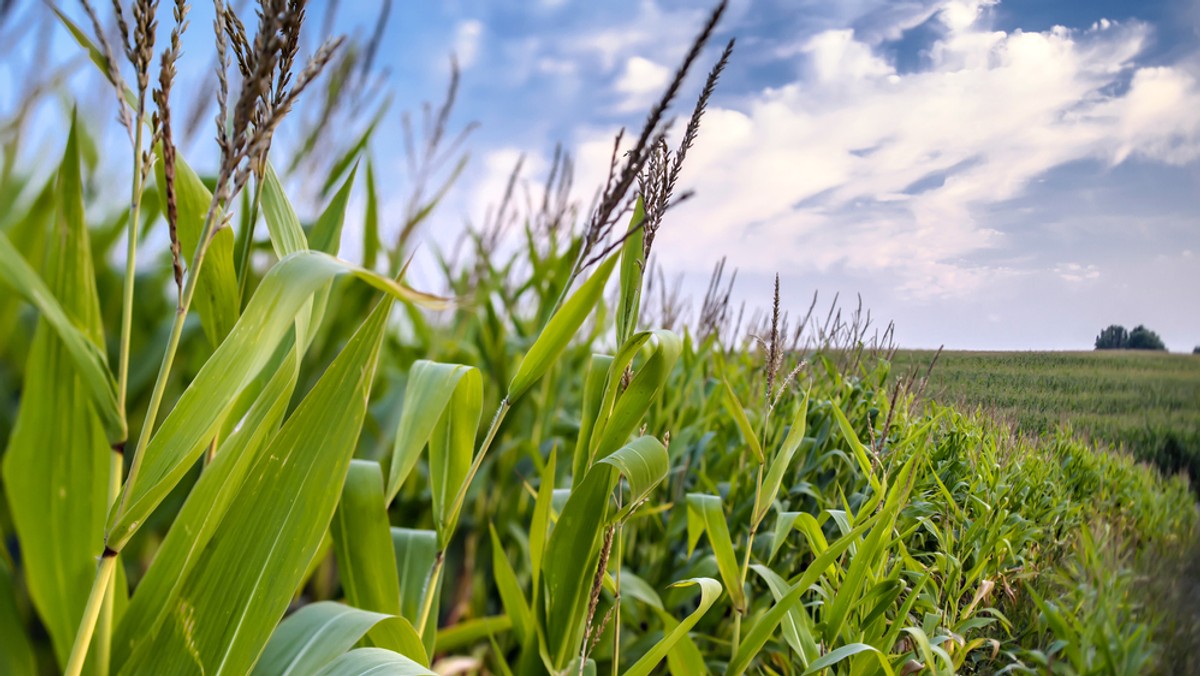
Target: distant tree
(1115, 337)
(1196, 350)
(1142, 338)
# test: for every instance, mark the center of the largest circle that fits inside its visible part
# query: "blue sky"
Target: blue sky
(990, 175)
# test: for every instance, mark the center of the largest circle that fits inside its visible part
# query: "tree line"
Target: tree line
(1115, 337)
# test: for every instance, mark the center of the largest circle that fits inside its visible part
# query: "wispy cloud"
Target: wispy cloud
(860, 165)
(928, 152)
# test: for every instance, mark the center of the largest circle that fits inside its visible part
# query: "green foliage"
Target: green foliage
(57, 508)
(1142, 338)
(318, 454)
(1115, 337)
(1142, 402)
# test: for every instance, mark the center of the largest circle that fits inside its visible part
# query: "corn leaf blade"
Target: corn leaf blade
(216, 296)
(365, 661)
(314, 636)
(200, 410)
(363, 546)
(204, 511)
(710, 590)
(707, 512)
(243, 581)
(560, 330)
(56, 468)
(87, 358)
(573, 550)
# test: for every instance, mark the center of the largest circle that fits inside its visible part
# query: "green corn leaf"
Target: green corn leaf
(573, 550)
(734, 407)
(364, 661)
(204, 511)
(1059, 625)
(200, 410)
(327, 231)
(893, 634)
(86, 357)
(314, 636)
(781, 461)
(451, 448)
(97, 57)
(84, 41)
(633, 264)
(511, 596)
(620, 416)
(469, 632)
(797, 625)
(860, 451)
(764, 627)
(287, 237)
(710, 590)
(684, 657)
(879, 600)
(216, 295)
(807, 524)
(706, 514)
(430, 390)
(371, 242)
(560, 330)
(593, 392)
(868, 553)
(539, 528)
(644, 464)
(363, 546)
(784, 523)
(57, 466)
(572, 554)
(930, 653)
(845, 652)
(635, 587)
(28, 234)
(243, 581)
(415, 552)
(16, 651)
(283, 225)
(588, 668)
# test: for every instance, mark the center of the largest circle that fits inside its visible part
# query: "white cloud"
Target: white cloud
(1076, 272)
(836, 56)
(467, 38)
(1158, 119)
(651, 30)
(961, 15)
(866, 168)
(641, 81)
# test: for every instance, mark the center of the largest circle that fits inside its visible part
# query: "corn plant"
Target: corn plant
(547, 470)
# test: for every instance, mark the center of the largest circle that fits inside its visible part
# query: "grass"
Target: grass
(1145, 402)
(336, 473)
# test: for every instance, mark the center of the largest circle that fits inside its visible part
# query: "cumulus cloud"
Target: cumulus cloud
(861, 166)
(640, 83)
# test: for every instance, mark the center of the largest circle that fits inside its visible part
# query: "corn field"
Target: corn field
(255, 456)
